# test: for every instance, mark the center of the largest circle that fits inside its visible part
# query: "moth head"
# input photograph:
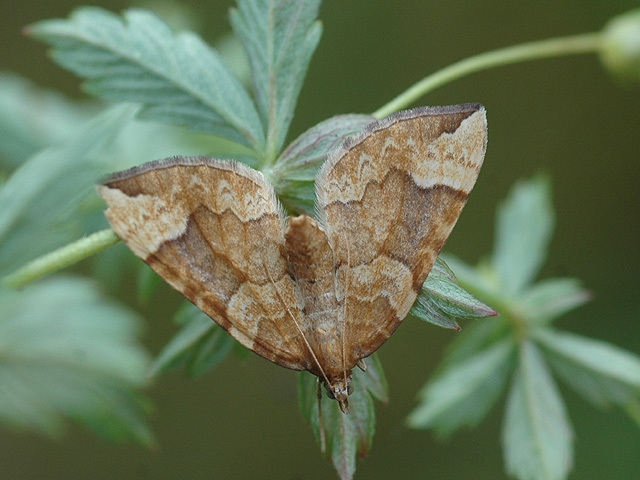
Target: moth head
(339, 389)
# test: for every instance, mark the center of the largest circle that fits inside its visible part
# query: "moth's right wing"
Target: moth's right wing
(389, 198)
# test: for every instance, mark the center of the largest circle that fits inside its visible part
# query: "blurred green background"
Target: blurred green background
(565, 116)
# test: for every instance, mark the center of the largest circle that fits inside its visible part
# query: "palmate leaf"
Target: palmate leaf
(67, 352)
(602, 373)
(280, 37)
(549, 299)
(537, 436)
(177, 79)
(464, 393)
(40, 200)
(346, 435)
(524, 226)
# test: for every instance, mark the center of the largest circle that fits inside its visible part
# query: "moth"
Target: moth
(317, 295)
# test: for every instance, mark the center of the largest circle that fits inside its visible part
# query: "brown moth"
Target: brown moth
(308, 295)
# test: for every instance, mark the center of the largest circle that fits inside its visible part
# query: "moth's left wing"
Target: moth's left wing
(388, 200)
(215, 232)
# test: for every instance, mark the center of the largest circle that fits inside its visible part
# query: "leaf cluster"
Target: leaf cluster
(65, 351)
(343, 437)
(522, 349)
(178, 79)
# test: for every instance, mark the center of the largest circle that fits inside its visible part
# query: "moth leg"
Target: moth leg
(362, 365)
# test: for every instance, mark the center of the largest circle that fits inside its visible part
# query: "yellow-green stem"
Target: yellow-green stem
(553, 47)
(61, 258)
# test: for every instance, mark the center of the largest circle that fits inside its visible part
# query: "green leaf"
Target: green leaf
(232, 51)
(464, 393)
(41, 199)
(475, 338)
(549, 299)
(442, 300)
(373, 379)
(147, 283)
(537, 436)
(66, 352)
(38, 118)
(524, 226)
(294, 173)
(42, 118)
(305, 155)
(346, 435)
(279, 37)
(603, 373)
(350, 435)
(442, 283)
(200, 344)
(177, 79)
(480, 279)
(427, 310)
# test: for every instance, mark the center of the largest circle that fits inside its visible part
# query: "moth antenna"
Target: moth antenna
(304, 338)
(344, 317)
(323, 443)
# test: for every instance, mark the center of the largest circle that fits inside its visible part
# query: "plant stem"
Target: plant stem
(61, 258)
(552, 47)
